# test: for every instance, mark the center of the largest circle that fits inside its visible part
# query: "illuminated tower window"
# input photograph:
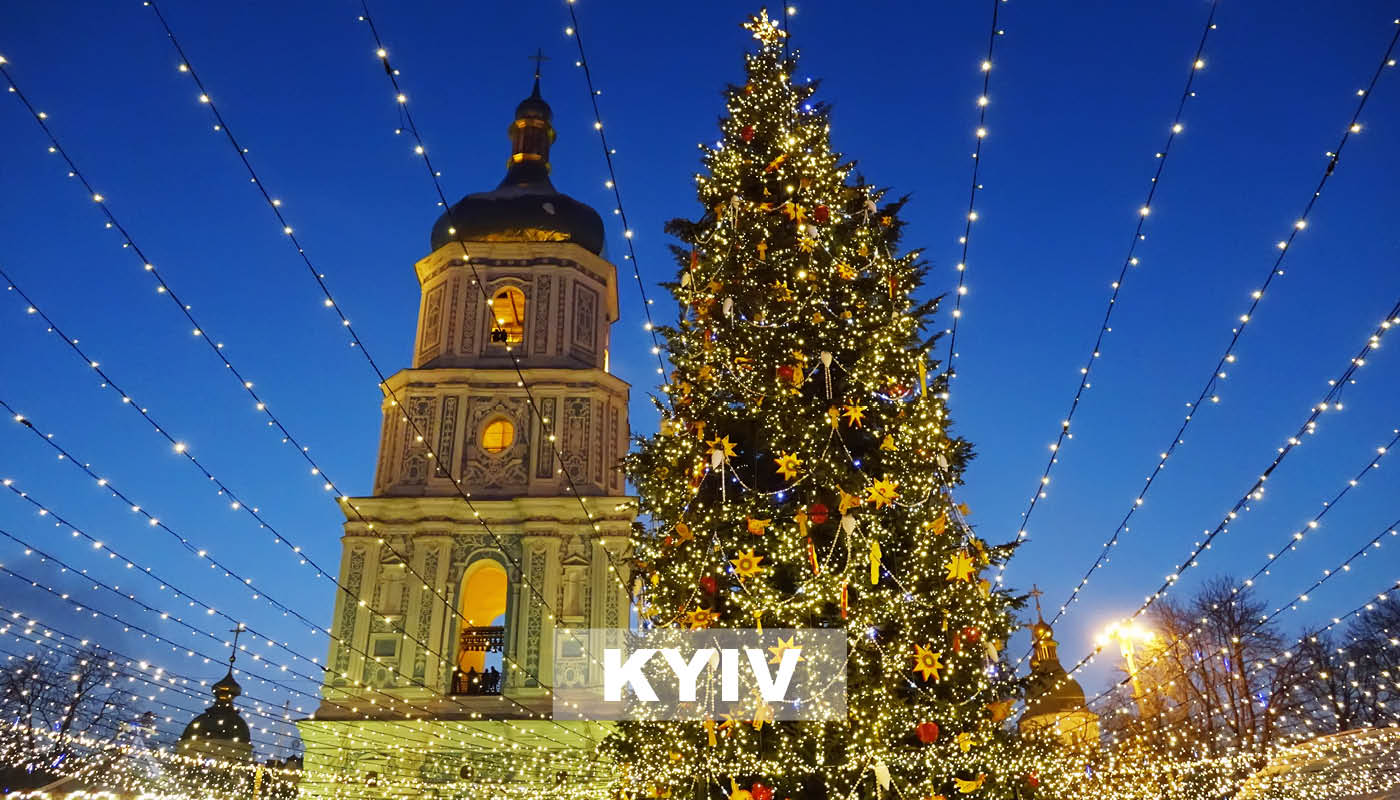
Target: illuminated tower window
(497, 436)
(508, 310)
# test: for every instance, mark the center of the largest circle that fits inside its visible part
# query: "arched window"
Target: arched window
(481, 637)
(497, 436)
(508, 316)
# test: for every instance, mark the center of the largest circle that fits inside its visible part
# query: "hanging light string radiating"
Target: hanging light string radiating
(248, 386)
(983, 100)
(1299, 535)
(355, 341)
(189, 546)
(1374, 543)
(1390, 530)
(1228, 356)
(275, 204)
(101, 546)
(1308, 426)
(1256, 488)
(167, 616)
(656, 348)
(55, 640)
(1130, 260)
(1312, 524)
(1365, 607)
(47, 642)
(236, 503)
(97, 584)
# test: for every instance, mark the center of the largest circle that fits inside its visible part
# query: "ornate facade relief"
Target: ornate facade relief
(497, 473)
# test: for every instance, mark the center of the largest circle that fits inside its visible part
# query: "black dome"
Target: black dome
(532, 212)
(525, 207)
(221, 721)
(1053, 691)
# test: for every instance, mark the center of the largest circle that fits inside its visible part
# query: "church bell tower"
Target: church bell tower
(443, 634)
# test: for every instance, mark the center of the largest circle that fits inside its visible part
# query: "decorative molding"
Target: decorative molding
(544, 455)
(576, 426)
(542, 293)
(502, 472)
(585, 318)
(431, 329)
(447, 436)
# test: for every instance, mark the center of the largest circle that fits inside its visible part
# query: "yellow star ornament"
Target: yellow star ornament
(854, 414)
(721, 444)
(747, 565)
(788, 464)
(701, 618)
(848, 501)
(960, 567)
(1001, 709)
(882, 493)
(926, 662)
(968, 787)
(783, 646)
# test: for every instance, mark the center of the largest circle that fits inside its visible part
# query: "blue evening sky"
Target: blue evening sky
(1082, 96)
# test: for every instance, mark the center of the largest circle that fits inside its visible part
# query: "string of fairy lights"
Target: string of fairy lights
(1257, 757)
(45, 511)
(30, 631)
(189, 546)
(1298, 536)
(1308, 427)
(164, 287)
(1130, 261)
(1255, 490)
(1371, 604)
(236, 503)
(434, 730)
(275, 206)
(979, 135)
(575, 32)
(541, 765)
(288, 438)
(1209, 391)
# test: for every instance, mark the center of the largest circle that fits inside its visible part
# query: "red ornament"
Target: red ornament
(817, 513)
(898, 390)
(761, 792)
(821, 215)
(970, 634)
(785, 372)
(709, 584)
(928, 732)
(1033, 780)
(747, 133)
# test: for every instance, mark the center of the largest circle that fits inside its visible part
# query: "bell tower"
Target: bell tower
(449, 632)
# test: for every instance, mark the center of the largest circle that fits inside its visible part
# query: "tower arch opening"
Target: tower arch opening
(480, 641)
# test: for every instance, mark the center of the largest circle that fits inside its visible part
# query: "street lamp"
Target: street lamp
(1128, 634)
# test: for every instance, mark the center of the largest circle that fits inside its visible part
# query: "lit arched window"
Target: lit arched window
(508, 316)
(497, 436)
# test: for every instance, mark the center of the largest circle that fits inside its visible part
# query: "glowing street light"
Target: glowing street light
(1128, 634)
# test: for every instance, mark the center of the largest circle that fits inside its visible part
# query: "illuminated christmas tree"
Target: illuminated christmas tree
(803, 474)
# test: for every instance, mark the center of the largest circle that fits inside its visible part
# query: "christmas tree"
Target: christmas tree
(803, 474)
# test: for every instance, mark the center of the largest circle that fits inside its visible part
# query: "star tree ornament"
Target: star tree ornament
(807, 445)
